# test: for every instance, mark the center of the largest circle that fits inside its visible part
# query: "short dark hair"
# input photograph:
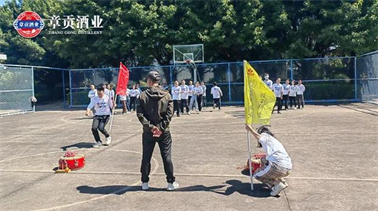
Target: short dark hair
(215, 83)
(100, 88)
(154, 76)
(264, 129)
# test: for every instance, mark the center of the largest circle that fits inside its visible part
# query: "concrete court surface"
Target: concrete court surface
(334, 151)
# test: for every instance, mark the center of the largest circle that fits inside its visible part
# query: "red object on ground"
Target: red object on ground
(255, 166)
(74, 163)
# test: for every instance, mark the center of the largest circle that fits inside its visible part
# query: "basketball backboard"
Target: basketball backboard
(182, 53)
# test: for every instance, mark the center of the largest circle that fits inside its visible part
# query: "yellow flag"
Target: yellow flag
(259, 99)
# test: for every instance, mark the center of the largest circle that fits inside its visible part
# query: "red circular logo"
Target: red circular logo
(28, 24)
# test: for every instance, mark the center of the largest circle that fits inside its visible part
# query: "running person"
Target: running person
(155, 111)
(102, 105)
(217, 94)
(277, 163)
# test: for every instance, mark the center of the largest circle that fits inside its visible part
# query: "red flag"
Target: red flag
(123, 79)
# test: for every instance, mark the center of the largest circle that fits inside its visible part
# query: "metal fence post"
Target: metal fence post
(64, 89)
(355, 79)
(229, 82)
(70, 82)
(170, 75)
(32, 77)
(291, 70)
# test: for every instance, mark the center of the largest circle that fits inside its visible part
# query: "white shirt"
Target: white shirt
(191, 87)
(301, 89)
(184, 92)
(277, 89)
(101, 105)
(216, 92)
(176, 93)
(111, 93)
(293, 91)
(198, 90)
(134, 93)
(286, 89)
(204, 90)
(128, 92)
(275, 152)
(122, 97)
(269, 83)
(92, 93)
(106, 92)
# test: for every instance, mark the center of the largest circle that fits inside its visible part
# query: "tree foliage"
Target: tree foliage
(143, 32)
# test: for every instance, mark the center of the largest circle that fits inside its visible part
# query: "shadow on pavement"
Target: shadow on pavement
(81, 145)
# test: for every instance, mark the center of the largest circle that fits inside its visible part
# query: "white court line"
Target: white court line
(107, 195)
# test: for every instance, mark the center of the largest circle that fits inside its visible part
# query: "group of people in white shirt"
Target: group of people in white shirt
(128, 101)
(193, 97)
(292, 92)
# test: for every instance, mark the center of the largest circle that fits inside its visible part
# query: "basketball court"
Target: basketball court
(333, 149)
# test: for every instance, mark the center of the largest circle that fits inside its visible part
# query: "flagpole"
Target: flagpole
(249, 158)
(111, 120)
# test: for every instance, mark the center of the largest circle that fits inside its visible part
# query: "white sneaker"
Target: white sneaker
(97, 145)
(188, 113)
(277, 189)
(145, 186)
(108, 140)
(172, 186)
(128, 112)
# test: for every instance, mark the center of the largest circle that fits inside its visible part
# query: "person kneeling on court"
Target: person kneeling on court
(277, 163)
(102, 104)
(155, 111)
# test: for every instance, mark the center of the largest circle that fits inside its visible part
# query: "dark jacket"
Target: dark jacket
(155, 108)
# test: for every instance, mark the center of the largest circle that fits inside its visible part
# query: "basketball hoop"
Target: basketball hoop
(188, 61)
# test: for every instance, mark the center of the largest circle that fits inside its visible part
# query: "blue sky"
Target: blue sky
(2, 2)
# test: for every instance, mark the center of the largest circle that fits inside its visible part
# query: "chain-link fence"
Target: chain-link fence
(367, 66)
(16, 89)
(340, 79)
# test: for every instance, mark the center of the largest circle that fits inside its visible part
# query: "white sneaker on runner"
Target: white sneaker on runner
(97, 145)
(145, 186)
(277, 189)
(172, 186)
(108, 140)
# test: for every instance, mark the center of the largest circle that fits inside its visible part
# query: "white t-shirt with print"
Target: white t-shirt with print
(275, 152)
(176, 93)
(286, 89)
(198, 91)
(134, 93)
(216, 92)
(102, 105)
(184, 92)
(92, 93)
(191, 87)
(293, 91)
(277, 89)
(301, 89)
(269, 83)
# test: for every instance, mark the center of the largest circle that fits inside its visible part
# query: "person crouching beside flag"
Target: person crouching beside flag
(277, 163)
(102, 104)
